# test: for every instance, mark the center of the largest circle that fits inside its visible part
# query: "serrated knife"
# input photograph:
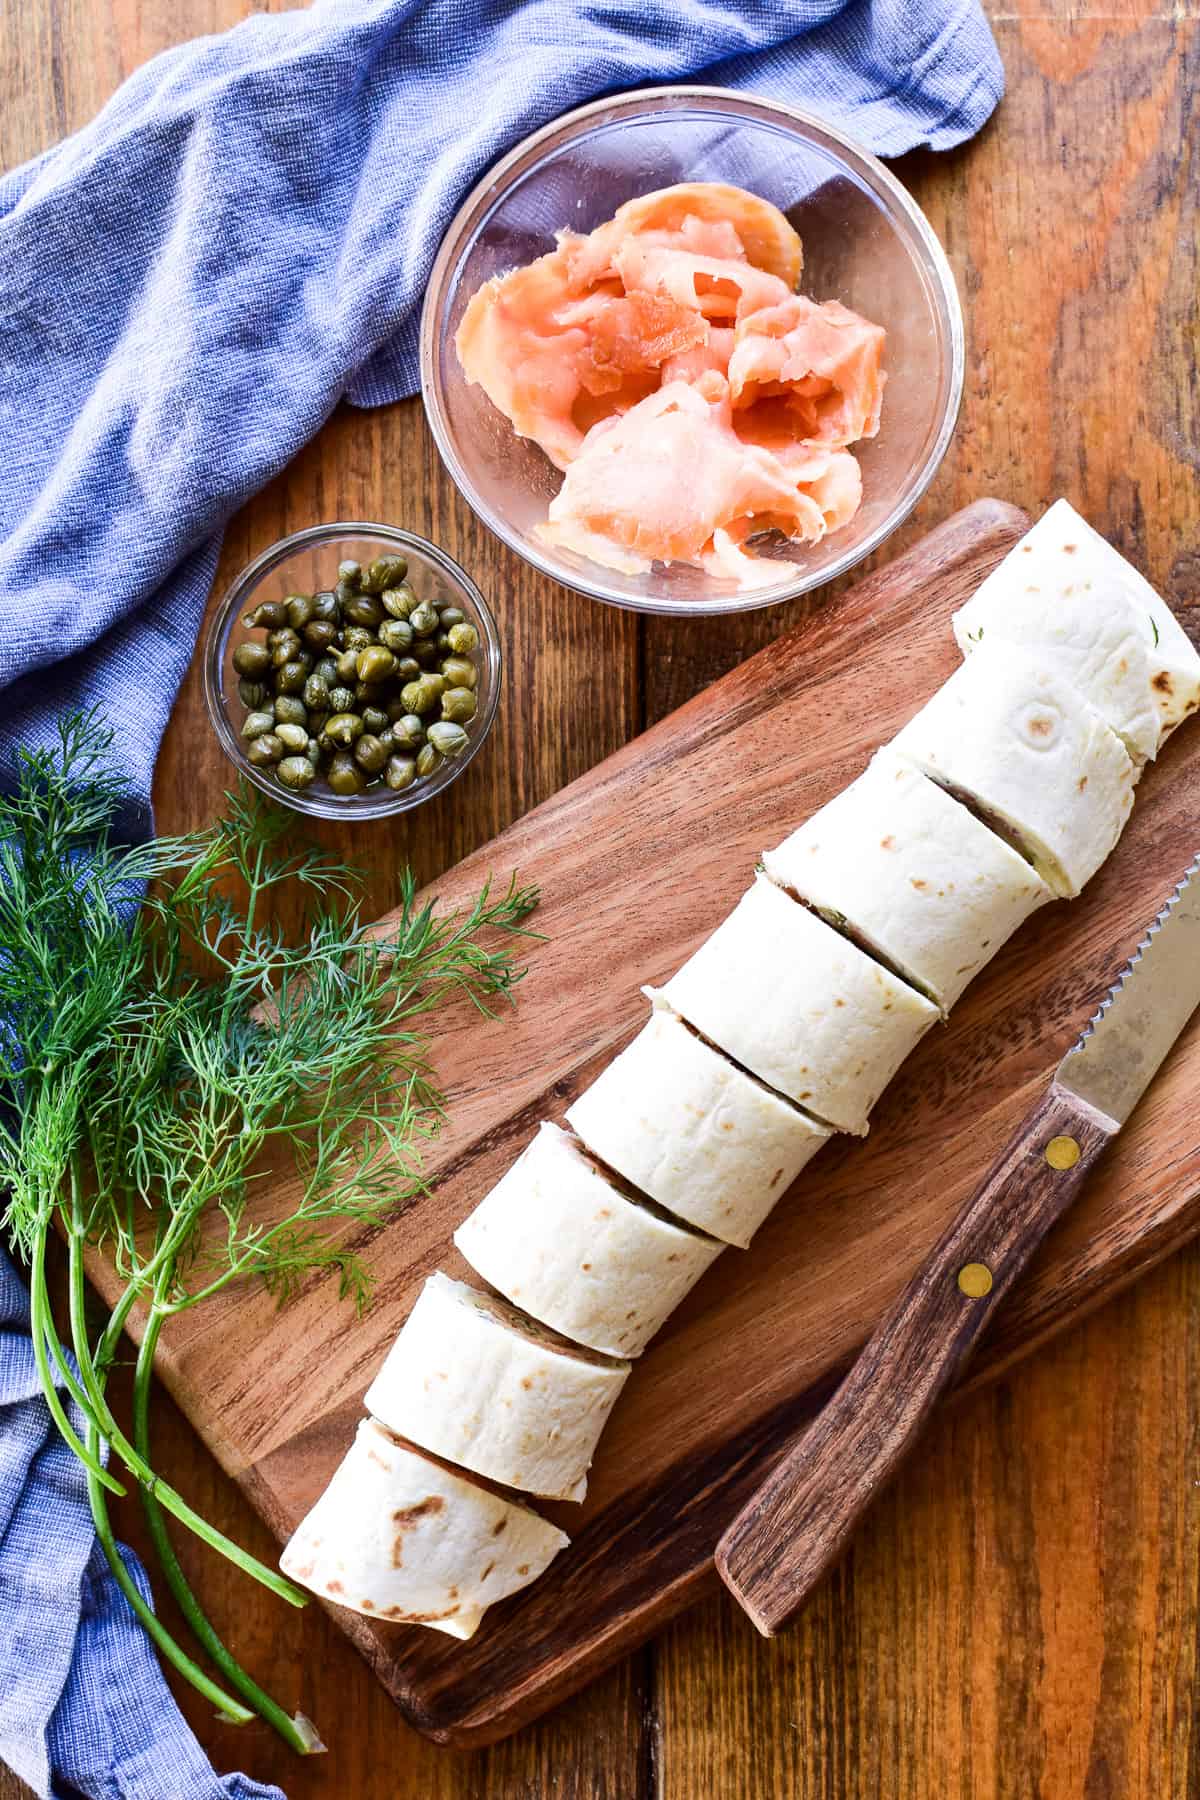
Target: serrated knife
(801, 1518)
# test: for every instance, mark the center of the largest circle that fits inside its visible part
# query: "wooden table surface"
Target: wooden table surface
(1019, 1618)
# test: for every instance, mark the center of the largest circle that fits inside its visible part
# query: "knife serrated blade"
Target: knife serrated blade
(1120, 1052)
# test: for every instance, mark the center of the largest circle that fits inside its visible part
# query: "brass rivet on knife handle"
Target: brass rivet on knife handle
(975, 1280)
(1062, 1152)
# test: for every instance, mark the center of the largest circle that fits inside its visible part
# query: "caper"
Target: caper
(423, 619)
(316, 725)
(292, 737)
(296, 772)
(447, 738)
(428, 759)
(268, 615)
(370, 754)
(374, 719)
(264, 751)
(341, 699)
(292, 677)
(344, 775)
(319, 634)
(427, 653)
(384, 572)
(327, 669)
(401, 772)
(357, 637)
(399, 601)
(253, 694)
(343, 728)
(369, 693)
(313, 754)
(418, 696)
(256, 723)
(316, 692)
(362, 609)
(459, 705)
(290, 710)
(283, 644)
(345, 592)
(450, 615)
(350, 572)
(407, 669)
(459, 671)
(252, 660)
(347, 666)
(326, 608)
(299, 610)
(442, 642)
(376, 664)
(396, 635)
(408, 731)
(463, 638)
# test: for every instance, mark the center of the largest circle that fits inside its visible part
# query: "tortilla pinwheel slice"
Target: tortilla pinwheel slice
(397, 1537)
(912, 875)
(473, 1380)
(686, 1126)
(566, 1245)
(1025, 749)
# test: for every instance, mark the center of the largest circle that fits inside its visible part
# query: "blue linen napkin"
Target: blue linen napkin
(187, 289)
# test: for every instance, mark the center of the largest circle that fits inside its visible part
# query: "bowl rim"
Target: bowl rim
(679, 98)
(331, 806)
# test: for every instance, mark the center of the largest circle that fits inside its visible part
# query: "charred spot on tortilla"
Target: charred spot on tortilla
(411, 1618)
(486, 1573)
(375, 1458)
(1083, 781)
(1163, 683)
(334, 1587)
(499, 1526)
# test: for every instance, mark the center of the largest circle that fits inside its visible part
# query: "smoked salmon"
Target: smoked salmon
(692, 398)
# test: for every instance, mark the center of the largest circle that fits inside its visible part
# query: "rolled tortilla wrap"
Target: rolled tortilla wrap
(474, 1381)
(912, 875)
(800, 1006)
(398, 1537)
(684, 1125)
(1074, 604)
(1023, 745)
(566, 1245)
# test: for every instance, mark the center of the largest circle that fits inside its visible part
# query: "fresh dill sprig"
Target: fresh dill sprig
(168, 1054)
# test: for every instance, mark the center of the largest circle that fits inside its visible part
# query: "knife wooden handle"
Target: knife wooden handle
(800, 1520)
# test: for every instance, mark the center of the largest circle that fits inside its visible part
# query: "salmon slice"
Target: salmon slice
(543, 354)
(823, 360)
(659, 483)
(720, 287)
(764, 236)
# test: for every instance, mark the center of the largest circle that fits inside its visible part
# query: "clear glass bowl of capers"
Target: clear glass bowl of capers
(352, 670)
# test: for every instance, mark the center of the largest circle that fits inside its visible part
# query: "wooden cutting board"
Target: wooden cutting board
(637, 862)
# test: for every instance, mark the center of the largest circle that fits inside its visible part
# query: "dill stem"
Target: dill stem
(41, 1329)
(297, 1733)
(226, 1705)
(137, 1465)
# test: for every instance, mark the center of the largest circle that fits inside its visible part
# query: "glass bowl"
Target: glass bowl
(303, 563)
(866, 243)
